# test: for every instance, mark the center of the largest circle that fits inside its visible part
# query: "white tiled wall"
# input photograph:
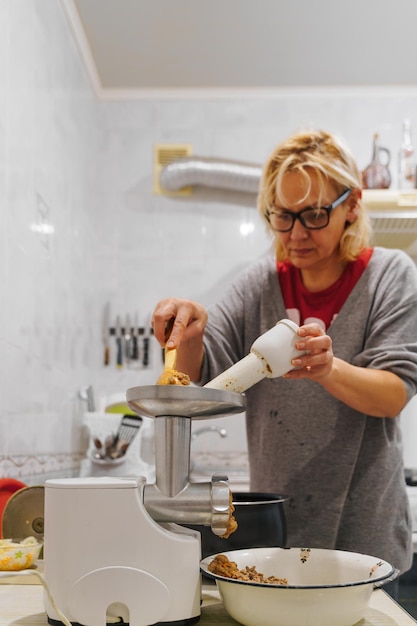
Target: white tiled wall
(80, 225)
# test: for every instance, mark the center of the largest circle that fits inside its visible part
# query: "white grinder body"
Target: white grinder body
(105, 556)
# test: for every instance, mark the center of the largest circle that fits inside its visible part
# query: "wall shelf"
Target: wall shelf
(394, 217)
(391, 200)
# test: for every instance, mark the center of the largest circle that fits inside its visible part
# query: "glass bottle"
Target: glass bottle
(377, 175)
(406, 161)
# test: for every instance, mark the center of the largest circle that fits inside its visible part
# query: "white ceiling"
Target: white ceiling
(166, 44)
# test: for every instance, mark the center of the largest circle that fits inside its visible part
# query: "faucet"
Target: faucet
(201, 466)
(209, 429)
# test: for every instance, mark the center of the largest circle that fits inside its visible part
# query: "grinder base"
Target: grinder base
(106, 556)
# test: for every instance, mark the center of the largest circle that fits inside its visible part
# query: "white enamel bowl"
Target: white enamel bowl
(325, 587)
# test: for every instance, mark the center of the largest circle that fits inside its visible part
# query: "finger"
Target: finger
(312, 330)
(191, 320)
(314, 345)
(169, 324)
(164, 312)
(179, 326)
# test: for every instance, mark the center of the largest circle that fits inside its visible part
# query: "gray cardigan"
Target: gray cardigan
(341, 470)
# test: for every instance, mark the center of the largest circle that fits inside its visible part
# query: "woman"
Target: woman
(328, 432)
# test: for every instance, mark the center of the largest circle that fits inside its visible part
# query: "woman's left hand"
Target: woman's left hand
(370, 391)
(318, 360)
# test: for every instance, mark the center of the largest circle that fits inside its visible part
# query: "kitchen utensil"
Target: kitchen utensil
(146, 340)
(102, 429)
(325, 587)
(117, 445)
(106, 461)
(169, 366)
(128, 339)
(270, 356)
(129, 427)
(23, 515)
(109, 445)
(135, 578)
(114, 449)
(119, 347)
(170, 376)
(135, 337)
(8, 486)
(377, 175)
(106, 333)
(169, 372)
(260, 524)
(100, 450)
(170, 358)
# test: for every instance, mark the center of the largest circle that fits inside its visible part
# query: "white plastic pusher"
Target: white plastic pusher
(270, 356)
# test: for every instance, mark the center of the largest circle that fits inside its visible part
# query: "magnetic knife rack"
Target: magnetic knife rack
(140, 330)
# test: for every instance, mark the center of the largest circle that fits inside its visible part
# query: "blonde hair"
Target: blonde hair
(321, 153)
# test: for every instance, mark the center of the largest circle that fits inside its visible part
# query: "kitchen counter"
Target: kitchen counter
(22, 604)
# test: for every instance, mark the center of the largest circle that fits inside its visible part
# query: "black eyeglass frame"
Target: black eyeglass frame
(299, 215)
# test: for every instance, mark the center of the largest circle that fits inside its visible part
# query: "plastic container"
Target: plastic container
(18, 554)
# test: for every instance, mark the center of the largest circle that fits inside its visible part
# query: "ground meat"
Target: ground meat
(232, 523)
(221, 566)
(172, 377)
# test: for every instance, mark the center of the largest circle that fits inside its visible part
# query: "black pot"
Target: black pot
(261, 524)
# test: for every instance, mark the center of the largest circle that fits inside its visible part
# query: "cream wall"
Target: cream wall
(82, 227)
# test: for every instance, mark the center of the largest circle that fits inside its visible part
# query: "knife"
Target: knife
(106, 333)
(135, 332)
(128, 339)
(146, 336)
(119, 354)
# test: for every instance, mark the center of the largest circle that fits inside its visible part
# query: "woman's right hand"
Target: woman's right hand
(187, 318)
(184, 322)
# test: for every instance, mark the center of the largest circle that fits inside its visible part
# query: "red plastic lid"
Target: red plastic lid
(8, 486)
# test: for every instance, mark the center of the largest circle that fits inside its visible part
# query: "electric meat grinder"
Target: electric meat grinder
(114, 549)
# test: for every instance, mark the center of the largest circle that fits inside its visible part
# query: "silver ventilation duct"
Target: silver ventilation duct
(210, 172)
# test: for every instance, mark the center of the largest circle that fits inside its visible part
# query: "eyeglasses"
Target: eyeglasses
(312, 218)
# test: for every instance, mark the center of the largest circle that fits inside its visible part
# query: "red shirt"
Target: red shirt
(305, 306)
